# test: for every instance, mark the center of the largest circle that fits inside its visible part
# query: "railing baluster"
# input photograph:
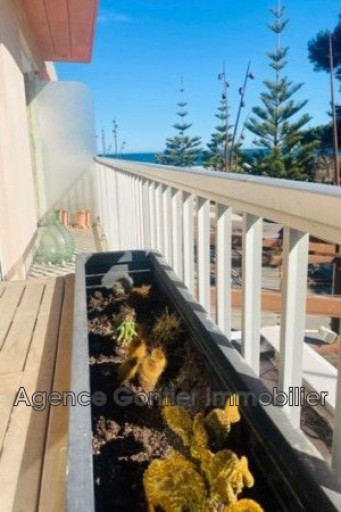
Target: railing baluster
(113, 221)
(203, 253)
(159, 219)
(294, 292)
(145, 215)
(167, 227)
(152, 214)
(134, 220)
(139, 218)
(188, 241)
(177, 231)
(223, 268)
(336, 453)
(251, 275)
(129, 201)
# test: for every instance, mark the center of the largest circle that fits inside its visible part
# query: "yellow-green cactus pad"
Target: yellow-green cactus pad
(227, 476)
(179, 420)
(174, 485)
(244, 506)
(219, 421)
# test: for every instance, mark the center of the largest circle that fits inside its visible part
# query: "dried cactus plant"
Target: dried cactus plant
(167, 328)
(151, 369)
(128, 369)
(174, 485)
(219, 421)
(224, 472)
(142, 291)
(137, 348)
(227, 475)
(244, 505)
(137, 352)
(179, 421)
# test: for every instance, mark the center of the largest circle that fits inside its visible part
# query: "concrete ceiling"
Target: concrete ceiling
(63, 29)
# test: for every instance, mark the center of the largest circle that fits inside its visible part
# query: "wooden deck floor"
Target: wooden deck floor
(35, 341)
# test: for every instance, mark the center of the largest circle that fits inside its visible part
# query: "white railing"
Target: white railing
(167, 209)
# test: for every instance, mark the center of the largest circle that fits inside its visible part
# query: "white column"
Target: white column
(223, 268)
(251, 275)
(112, 209)
(139, 217)
(108, 220)
(188, 241)
(294, 294)
(336, 454)
(203, 248)
(159, 220)
(177, 225)
(146, 224)
(152, 213)
(167, 224)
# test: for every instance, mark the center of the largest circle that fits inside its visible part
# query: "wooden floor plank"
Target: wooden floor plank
(22, 454)
(55, 458)
(17, 342)
(9, 385)
(9, 301)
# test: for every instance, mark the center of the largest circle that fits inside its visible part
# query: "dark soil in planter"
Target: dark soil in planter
(127, 438)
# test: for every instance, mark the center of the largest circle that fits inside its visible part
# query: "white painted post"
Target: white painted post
(112, 200)
(177, 224)
(251, 276)
(129, 212)
(336, 453)
(167, 224)
(294, 294)
(145, 213)
(139, 218)
(121, 226)
(159, 220)
(203, 249)
(223, 268)
(152, 214)
(134, 219)
(188, 241)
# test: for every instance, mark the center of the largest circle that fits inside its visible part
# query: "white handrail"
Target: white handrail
(307, 207)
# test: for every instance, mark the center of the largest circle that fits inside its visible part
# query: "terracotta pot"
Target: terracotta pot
(88, 219)
(65, 218)
(81, 219)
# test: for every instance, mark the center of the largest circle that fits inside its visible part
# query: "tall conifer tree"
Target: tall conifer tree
(275, 123)
(181, 150)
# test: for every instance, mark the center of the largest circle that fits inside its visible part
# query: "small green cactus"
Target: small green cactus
(126, 330)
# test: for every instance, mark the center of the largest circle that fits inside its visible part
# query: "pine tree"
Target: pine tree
(218, 148)
(181, 150)
(275, 124)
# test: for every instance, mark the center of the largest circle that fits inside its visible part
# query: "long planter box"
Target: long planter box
(297, 477)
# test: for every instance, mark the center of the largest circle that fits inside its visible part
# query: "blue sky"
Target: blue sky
(142, 49)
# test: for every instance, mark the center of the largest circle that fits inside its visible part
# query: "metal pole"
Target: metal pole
(114, 131)
(241, 105)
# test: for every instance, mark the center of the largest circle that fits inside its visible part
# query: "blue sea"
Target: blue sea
(136, 157)
(150, 157)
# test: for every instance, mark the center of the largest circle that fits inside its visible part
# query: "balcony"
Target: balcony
(192, 217)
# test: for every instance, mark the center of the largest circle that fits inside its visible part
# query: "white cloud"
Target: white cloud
(112, 17)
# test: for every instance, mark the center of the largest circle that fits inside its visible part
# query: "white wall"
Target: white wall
(17, 197)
